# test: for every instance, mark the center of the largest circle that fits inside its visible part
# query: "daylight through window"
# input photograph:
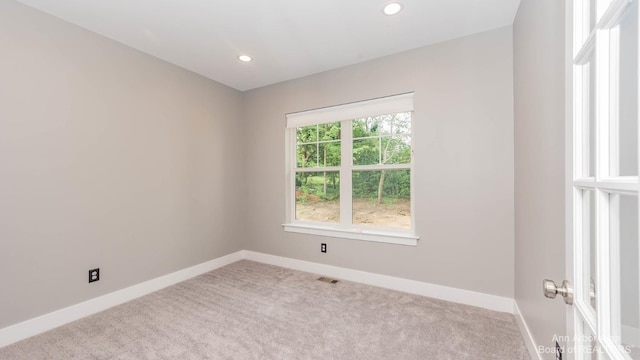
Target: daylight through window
(351, 167)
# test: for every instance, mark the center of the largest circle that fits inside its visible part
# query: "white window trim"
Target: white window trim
(356, 110)
(355, 233)
(346, 230)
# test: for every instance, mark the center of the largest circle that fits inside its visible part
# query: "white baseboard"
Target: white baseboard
(526, 333)
(23, 330)
(491, 302)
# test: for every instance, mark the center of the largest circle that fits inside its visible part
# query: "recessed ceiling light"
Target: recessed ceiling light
(392, 8)
(245, 58)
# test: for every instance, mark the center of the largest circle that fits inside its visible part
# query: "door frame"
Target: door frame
(570, 319)
(573, 319)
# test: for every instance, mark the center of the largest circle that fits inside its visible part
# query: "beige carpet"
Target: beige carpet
(249, 310)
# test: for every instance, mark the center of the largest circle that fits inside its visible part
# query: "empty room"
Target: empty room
(362, 179)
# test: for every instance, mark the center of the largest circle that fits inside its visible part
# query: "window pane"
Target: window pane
(589, 248)
(318, 196)
(366, 151)
(625, 272)
(396, 150)
(329, 131)
(626, 131)
(370, 126)
(586, 95)
(591, 117)
(318, 145)
(585, 19)
(382, 198)
(329, 154)
(307, 155)
(384, 139)
(592, 14)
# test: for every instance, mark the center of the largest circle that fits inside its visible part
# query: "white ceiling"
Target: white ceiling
(286, 38)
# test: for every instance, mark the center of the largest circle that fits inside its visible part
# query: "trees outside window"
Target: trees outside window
(378, 162)
(350, 171)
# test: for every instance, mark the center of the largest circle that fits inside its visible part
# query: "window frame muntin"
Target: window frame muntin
(345, 228)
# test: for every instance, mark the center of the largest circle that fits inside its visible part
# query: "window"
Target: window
(350, 171)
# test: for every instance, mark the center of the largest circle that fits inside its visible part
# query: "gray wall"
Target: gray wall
(539, 163)
(108, 158)
(629, 266)
(463, 136)
(629, 252)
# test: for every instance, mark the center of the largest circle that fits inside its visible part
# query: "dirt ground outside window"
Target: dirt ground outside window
(391, 213)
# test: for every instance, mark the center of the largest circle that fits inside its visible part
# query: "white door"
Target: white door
(604, 249)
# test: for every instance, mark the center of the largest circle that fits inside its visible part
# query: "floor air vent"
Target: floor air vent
(328, 280)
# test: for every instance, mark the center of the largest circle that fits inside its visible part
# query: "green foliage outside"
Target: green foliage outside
(384, 139)
(312, 187)
(396, 185)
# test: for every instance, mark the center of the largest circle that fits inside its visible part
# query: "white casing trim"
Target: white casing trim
(354, 234)
(40, 324)
(359, 109)
(526, 333)
(491, 302)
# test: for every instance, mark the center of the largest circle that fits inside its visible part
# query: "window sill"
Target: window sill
(374, 235)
